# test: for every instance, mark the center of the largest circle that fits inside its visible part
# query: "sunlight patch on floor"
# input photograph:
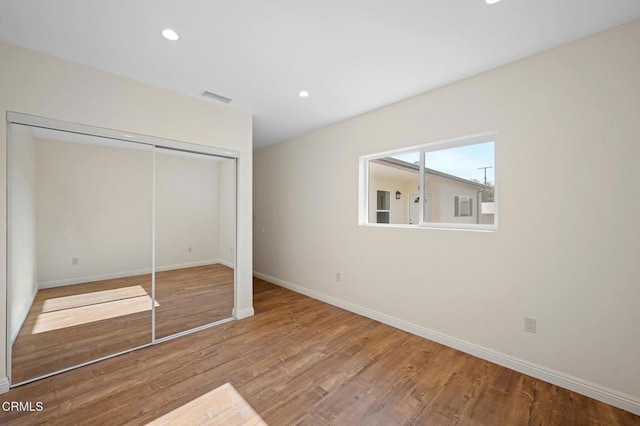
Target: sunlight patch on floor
(92, 298)
(221, 406)
(49, 321)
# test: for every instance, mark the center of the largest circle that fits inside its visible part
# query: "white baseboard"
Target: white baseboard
(601, 393)
(186, 265)
(226, 263)
(93, 278)
(23, 316)
(4, 385)
(245, 313)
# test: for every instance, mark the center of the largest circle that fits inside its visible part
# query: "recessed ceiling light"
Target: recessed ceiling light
(169, 34)
(303, 94)
(491, 1)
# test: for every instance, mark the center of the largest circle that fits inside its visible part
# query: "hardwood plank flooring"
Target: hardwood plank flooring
(192, 297)
(70, 325)
(301, 361)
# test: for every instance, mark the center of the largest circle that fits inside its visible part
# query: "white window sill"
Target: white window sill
(442, 226)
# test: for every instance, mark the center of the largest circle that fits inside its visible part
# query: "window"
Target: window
(449, 184)
(383, 205)
(463, 206)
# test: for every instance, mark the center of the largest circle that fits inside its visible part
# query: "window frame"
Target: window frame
(364, 188)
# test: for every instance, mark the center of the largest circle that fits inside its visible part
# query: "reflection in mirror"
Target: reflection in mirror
(195, 240)
(80, 249)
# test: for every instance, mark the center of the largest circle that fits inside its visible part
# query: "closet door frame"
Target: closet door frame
(154, 142)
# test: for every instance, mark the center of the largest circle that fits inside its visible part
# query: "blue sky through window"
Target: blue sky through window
(462, 161)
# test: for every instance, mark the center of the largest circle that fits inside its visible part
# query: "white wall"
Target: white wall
(187, 210)
(23, 219)
(227, 219)
(94, 204)
(568, 139)
(38, 84)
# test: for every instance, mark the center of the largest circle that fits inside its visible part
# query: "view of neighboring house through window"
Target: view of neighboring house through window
(393, 182)
(457, 190)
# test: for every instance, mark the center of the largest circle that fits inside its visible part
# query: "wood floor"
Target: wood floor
(301, 361)
(70, 325)
(192, 297)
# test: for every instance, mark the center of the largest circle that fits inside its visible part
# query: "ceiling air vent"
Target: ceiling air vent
(216, 97)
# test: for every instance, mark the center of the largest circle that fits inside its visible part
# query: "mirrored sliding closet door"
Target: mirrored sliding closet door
(80, 249)
(194, 240)
(116, 241)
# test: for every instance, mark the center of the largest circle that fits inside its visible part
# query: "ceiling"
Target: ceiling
(352, 56)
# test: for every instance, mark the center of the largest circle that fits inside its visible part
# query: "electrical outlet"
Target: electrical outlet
(338, 276)
(190, 249)
(530, 325)
(74, 260)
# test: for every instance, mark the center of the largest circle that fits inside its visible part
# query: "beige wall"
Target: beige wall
(38, 84)
(568, 123)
